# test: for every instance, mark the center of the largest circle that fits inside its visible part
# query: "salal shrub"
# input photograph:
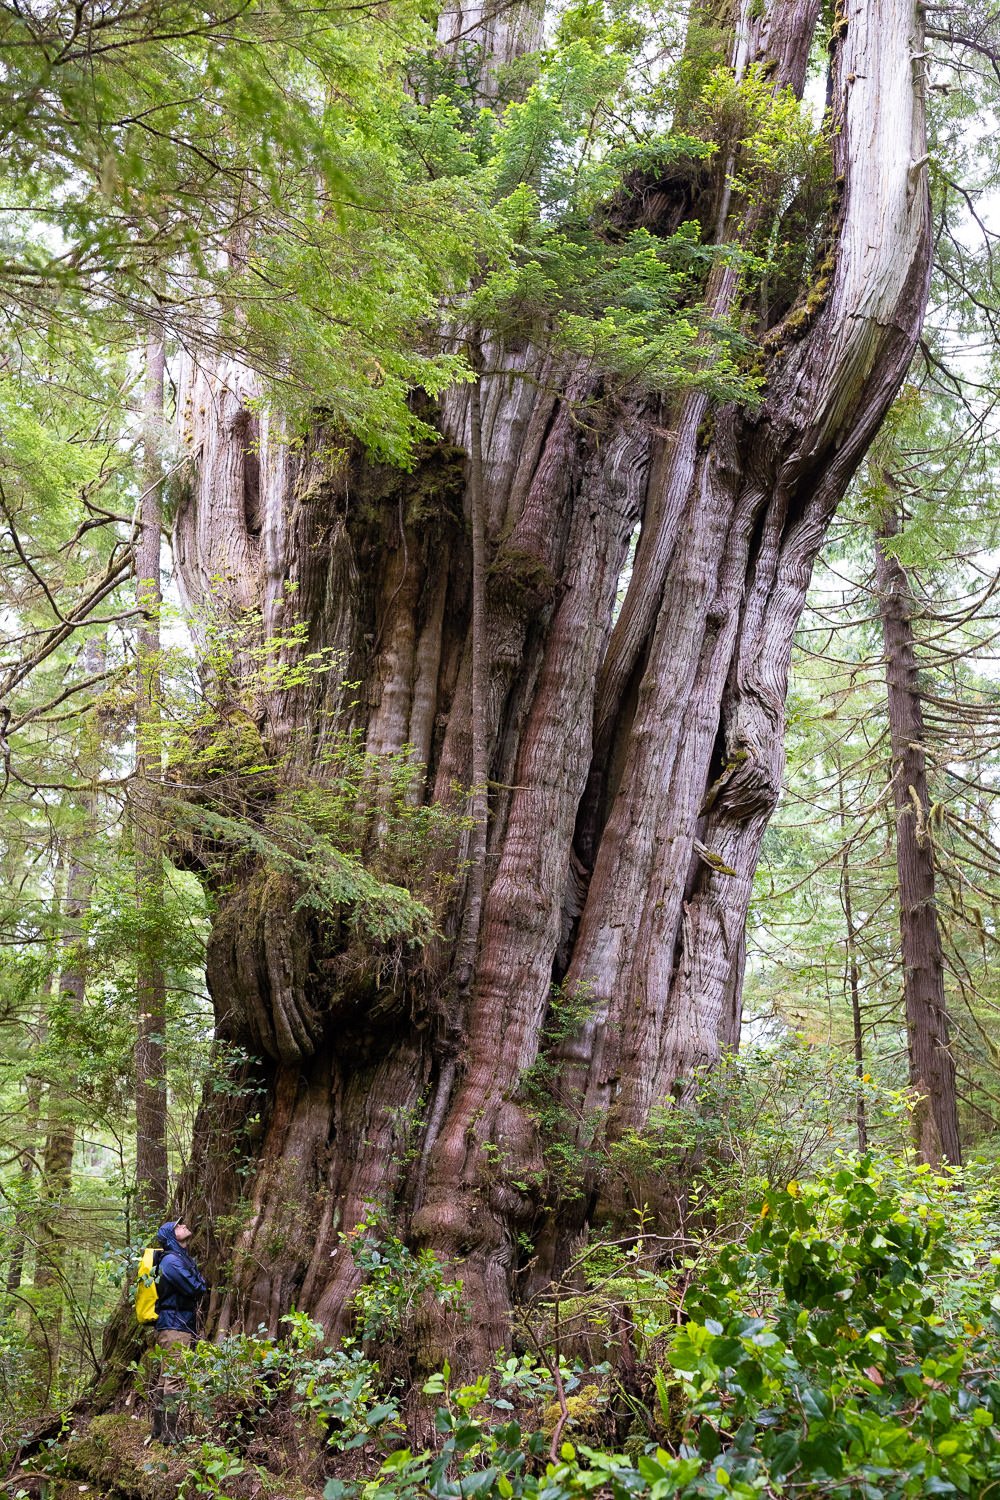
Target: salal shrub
(851, 1344)
(234, 1387)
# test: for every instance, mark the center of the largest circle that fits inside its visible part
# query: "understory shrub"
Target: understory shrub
(850, 1346)
(768, 1114)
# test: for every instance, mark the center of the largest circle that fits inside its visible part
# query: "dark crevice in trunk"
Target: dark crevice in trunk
(252, 513)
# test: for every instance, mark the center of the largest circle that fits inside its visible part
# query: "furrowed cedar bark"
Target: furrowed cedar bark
(932, 1065)
(632, 766)
(465, 954)
(662, 932)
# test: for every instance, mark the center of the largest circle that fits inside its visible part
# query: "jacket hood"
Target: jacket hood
(168, 1239)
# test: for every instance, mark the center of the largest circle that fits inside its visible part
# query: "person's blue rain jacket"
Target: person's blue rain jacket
(180, 1286)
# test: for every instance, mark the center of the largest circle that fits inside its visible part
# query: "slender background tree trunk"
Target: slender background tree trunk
(932, 1066)
(24, 1217)
(151, 996)
(852, 973)
(56, 1222)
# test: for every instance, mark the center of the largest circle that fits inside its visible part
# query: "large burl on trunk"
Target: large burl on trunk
(634, 758)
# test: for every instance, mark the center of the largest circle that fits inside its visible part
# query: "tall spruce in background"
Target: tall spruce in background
(932, 1066)
(894, 727)
(894, 731)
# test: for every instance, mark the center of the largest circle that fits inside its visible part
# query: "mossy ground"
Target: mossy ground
(109, 1458)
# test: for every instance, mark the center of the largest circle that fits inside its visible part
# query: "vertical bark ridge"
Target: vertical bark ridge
(523, 913)
(628, 930)
(218, 557)
(485, 37)
(781, 38)
(641, 945)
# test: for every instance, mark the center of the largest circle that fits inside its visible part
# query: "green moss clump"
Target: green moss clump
(795, 323)
(584, 1412)
(839, 29)
(110, 1454)
(522, 575)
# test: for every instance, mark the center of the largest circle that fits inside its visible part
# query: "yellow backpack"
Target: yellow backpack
(145, 1287)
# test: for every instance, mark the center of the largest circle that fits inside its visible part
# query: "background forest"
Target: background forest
(500, 745)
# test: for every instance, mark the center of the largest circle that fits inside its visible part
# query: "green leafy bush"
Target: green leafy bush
(849, 1346)
(232, 1387)
(396, 1280)
(852, 1343)
(764, 1116)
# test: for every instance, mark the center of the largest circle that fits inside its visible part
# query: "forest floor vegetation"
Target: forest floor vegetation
(835, 1334)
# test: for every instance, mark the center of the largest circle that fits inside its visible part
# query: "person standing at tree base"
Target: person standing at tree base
(180, 1288)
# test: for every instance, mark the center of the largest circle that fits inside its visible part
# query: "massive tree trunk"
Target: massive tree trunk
(932, 1066)
(633, 764)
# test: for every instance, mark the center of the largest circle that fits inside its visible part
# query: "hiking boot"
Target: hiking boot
(172, 1432)
(156, 1418)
